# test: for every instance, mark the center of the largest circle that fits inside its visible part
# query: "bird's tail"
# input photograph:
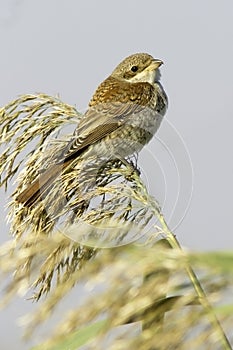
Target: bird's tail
(39, 186)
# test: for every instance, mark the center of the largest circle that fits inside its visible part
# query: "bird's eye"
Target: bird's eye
(134, 69)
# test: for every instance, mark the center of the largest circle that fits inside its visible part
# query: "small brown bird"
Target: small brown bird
(123, 115)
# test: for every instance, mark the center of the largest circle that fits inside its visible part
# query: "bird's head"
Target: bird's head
(140, 67)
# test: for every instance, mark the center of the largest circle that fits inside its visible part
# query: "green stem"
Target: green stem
(196, 284)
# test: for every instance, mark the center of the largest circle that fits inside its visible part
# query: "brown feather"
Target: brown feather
(114, 102)
(39, 186)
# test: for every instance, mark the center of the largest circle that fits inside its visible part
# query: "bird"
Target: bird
(123, 115)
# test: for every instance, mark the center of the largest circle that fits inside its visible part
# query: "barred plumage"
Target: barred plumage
(123, 115)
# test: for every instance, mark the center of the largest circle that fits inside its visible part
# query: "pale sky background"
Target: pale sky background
(70, 46)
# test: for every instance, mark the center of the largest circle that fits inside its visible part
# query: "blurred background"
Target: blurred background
(67, 48)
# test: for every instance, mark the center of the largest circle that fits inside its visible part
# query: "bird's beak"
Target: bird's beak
(156, 63)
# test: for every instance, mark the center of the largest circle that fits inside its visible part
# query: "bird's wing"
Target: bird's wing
(98, 122)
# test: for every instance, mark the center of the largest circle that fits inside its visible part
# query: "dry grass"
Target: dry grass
(54, 240)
